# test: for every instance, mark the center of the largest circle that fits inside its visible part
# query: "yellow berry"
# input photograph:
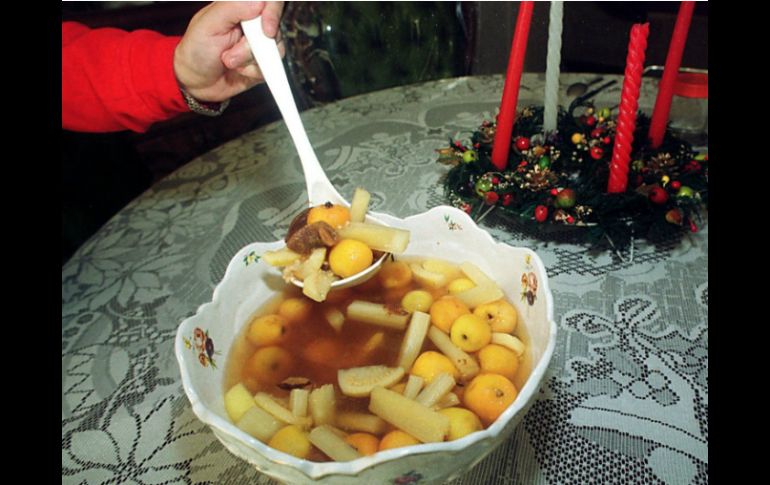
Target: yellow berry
(266, 330)
(460, 284)
(291, 440)
(295, 309)
(431, 363)
(349, 257)
(395, 274)
(498, 360)
(500, 315)
(461, 422)
(332, 214)
(396, 439)
(417, 300)
(470, 333)
(445, 311)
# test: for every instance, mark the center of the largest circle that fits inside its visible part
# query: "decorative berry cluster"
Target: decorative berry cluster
(561, 177)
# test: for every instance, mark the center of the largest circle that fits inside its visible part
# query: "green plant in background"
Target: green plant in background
(340, 49)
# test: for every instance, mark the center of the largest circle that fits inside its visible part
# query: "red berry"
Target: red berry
(495, 180)
(692, 166)
(676, 184)
(541, 213)
(596, 153)
(467, 208)
(523, 163)
(693, 227)
(606, 140)
(554, 191)
(591, 120)
(658, 195)
(570, 220)
(507, 199)
(491, 197)
(596, 133)
(522, 143)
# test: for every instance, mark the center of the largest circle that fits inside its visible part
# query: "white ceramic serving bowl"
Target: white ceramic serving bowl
(442, 232)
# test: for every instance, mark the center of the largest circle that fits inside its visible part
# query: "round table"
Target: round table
(625, 398)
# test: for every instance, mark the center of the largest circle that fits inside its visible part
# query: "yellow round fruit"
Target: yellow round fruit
(445, 311)
(431, 363)
(333, 214)
(461, 422)
(291, 440)
(417, 300)
(460, 284)
(499, 360)
(500, 315)
(397, 439)
(395, 274)
(295, 309)
(267, 330)
(470, 332)
(488, 395)
(364, 443)
(269, 365)
(349, 257)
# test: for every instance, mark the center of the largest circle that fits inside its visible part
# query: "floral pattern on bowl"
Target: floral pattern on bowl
(203, 345)
(246, 287)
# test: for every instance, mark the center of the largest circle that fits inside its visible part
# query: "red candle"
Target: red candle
(670, 71)
(629, 104)
(507, 115)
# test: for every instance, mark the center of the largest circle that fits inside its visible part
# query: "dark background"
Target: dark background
(336, 50)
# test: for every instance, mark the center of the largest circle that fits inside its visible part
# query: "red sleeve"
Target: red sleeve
(114, 80)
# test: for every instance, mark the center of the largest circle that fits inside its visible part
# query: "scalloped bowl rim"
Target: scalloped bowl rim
(316, 470)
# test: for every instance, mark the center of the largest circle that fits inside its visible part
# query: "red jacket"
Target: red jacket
(114, 80)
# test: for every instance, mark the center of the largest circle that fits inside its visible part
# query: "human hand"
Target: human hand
(213, 61)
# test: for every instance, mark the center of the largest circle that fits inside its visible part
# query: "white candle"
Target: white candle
(551, 100)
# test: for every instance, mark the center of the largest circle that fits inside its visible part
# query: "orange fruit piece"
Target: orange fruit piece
(395, 274)
(500, 315)
(269, 365)
(267, 330)
(488, 395)
(397, 439)
(295, 309)
(333, 214)
(445, 311)
(499, 360)
(430, 363)
(364, 443)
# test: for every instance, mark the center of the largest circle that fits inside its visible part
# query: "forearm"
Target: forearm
(114, 80)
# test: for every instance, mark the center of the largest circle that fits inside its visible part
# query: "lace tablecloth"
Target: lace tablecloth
(625, 399)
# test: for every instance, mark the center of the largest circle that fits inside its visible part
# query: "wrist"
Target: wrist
(204, 107)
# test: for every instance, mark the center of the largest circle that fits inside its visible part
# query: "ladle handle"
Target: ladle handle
(319, 188)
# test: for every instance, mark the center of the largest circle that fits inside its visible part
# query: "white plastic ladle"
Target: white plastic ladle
(319, 188)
